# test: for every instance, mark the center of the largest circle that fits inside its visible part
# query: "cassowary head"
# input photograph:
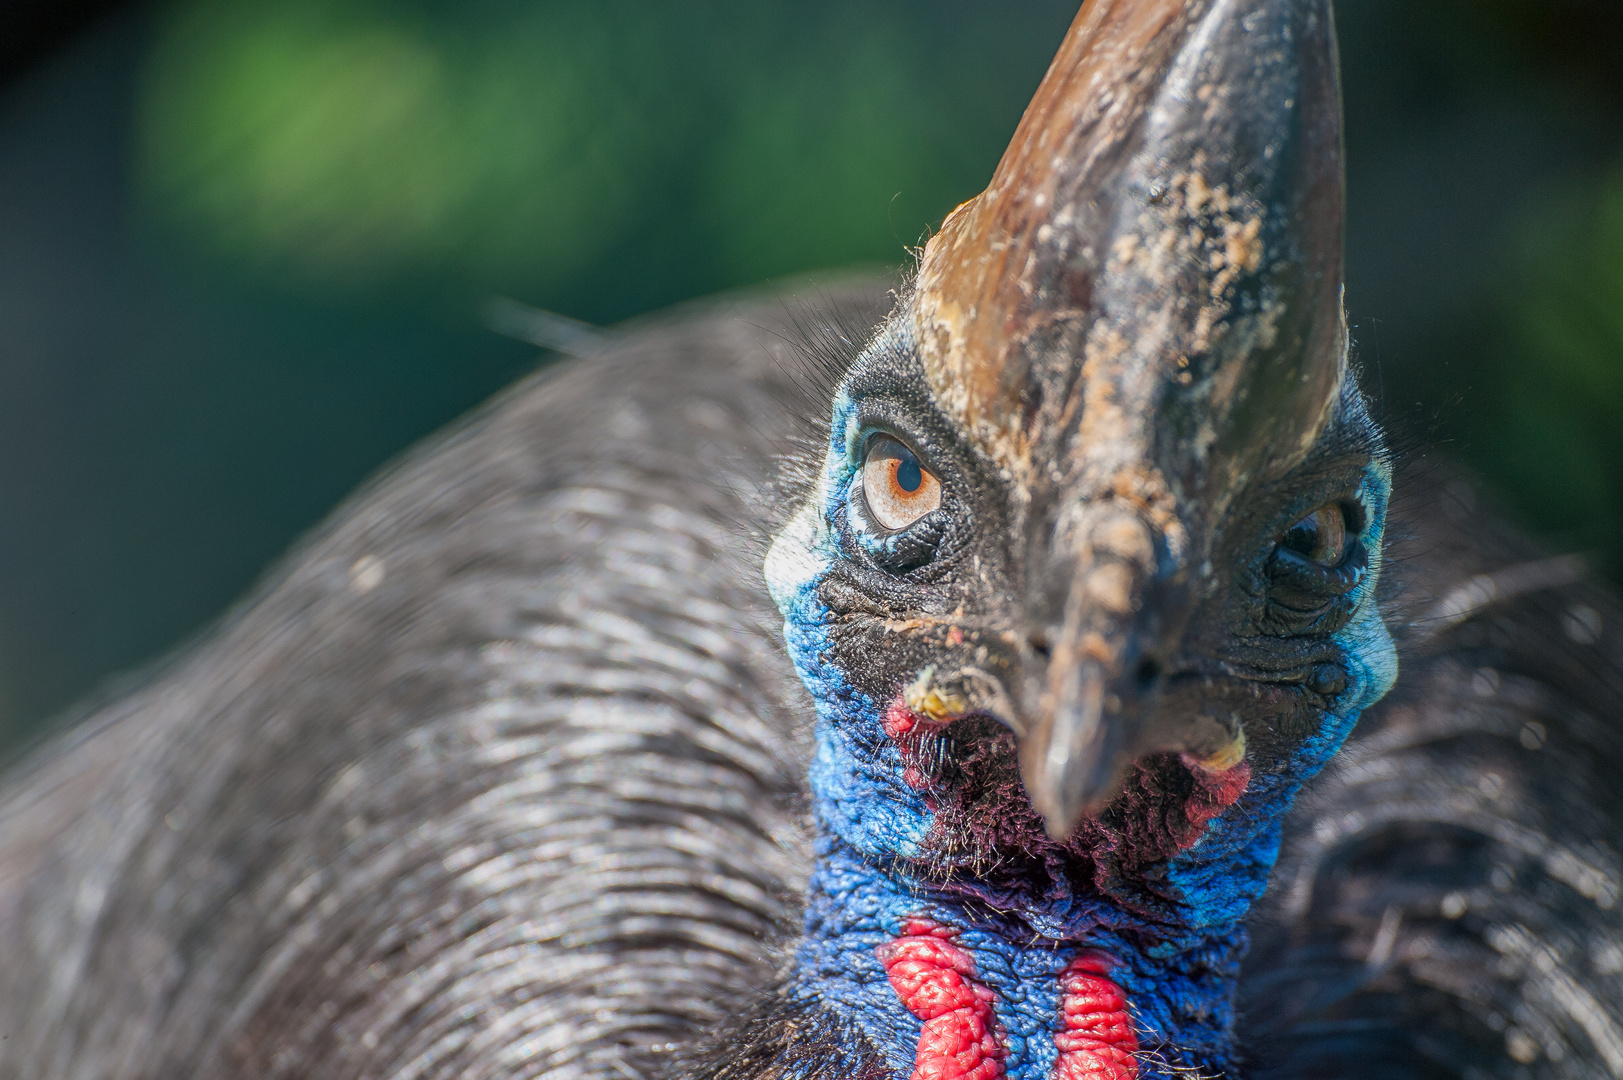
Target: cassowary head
(1092, 552)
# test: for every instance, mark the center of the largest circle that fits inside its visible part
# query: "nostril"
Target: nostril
(1148, 674)
(1039, 645)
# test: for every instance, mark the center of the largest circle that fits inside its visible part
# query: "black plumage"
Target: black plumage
(496, 776)
(1448, 904)
(499, 775)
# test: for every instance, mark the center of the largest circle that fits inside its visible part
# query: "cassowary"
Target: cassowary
(1086, 561)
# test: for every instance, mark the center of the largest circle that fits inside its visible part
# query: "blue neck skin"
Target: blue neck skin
(1178, 976)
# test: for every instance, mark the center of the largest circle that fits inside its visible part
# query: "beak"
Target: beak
(1139, 318)
(1094, 693)
(1071, 761)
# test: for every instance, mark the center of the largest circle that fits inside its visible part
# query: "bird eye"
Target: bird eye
(898, 488)
(1321, 536)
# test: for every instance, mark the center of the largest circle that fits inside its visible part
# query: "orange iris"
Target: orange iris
(897, 486)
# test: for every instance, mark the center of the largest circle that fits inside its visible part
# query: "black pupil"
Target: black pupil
(909, 475)
(1303, 537)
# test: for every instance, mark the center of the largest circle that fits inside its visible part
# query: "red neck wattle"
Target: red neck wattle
(961, 1038)
(935, 979)
(1097, 1041)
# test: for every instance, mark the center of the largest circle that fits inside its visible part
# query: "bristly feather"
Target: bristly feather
(1448, 904)
(498, 775)
(822, 333)
(776, 1038)
(534, 802)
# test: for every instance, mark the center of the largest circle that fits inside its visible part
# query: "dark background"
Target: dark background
(245, 244)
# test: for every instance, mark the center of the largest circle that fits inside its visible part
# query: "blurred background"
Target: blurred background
(245, 245)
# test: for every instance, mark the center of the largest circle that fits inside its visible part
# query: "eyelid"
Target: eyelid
(872, 432)
(1356, 514)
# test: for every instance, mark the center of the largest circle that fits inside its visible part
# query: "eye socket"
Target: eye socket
(1322, 536)
(898, 488)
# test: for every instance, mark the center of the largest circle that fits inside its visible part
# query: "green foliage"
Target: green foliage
(1551, 427)
(569, 149)
(353, 143)
(605, 157)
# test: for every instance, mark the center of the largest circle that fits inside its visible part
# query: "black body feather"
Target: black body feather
(501, 775)
(1448, 902)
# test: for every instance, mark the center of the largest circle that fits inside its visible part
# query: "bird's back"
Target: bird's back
(1448, 903)
(496, 776)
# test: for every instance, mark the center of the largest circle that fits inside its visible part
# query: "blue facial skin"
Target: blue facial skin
(1179, 979)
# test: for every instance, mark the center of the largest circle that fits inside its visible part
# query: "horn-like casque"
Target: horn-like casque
(1140, 316)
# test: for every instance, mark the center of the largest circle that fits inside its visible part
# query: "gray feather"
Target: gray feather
(497, 776)
(1449, 899)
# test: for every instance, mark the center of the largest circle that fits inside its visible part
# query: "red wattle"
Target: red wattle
(899, 719)
(935, 979)
(902, 725)
(1096, 1041)
(1215, 793)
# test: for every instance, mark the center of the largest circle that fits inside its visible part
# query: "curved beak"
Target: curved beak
(1095, 695)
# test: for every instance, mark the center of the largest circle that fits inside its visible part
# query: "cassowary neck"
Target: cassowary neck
(944, 984)
(1050, 969)
(1114, 955)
